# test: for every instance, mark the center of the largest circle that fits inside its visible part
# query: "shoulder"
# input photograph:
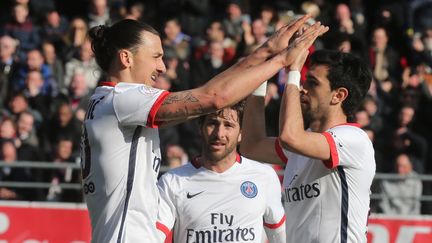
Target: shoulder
(350, 133)
(257, 166)
(186, 170)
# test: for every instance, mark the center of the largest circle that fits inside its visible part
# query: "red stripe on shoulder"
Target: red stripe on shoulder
(152, 114)
(277, 225)
(334, 156)
(280, 152)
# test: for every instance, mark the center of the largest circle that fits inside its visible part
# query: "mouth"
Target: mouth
(154, 77)
(217, 145)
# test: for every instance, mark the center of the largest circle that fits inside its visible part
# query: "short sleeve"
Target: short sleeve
(138, 105)
(349, 146)
(274, 216)
(167, 209)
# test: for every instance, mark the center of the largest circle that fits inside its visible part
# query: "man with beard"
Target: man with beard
(330, 166)
(222, 196)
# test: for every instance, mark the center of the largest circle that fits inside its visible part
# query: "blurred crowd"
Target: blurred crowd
(47, 73)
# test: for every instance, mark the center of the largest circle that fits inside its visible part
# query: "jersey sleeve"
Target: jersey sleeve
(167, 210)
(274, 216)
(348, 147)
(138, 106)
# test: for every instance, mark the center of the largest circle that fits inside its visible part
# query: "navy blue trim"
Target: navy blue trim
(130, 178)
(344, 206)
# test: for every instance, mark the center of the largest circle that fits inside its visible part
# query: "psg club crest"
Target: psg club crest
(249, 189)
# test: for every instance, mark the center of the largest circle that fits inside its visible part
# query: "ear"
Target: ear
(125, 58)
(339, 95)
(239, 137)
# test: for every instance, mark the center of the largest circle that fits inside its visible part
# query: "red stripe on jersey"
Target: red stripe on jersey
(112, 84)
(152, 114)
(165, 230)
(280, 152)
(334, 156)
(348, 124)
(238, 158)
(277, 225)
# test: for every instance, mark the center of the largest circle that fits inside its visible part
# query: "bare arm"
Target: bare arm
(293, 136)
(235, 83)
(255, 144)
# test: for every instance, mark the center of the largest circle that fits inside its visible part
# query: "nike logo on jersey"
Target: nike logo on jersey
(189, 196)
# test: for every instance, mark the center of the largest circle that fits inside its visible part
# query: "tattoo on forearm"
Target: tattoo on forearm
(182, 97)
(183, 113)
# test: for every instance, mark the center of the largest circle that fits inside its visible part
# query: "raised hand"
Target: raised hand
(303, 42)
(280, 39)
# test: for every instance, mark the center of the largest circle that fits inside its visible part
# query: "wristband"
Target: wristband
(261, 90)
(294, 78)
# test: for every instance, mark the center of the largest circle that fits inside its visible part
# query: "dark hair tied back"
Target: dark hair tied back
(107, 41)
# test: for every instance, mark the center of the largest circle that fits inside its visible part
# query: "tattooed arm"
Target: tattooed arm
(234, 84)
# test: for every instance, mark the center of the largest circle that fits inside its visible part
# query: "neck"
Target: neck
(219, 166)
(334, 118)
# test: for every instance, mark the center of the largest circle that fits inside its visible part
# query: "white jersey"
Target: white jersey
(120, 162)
(234, 206)
(328, 201)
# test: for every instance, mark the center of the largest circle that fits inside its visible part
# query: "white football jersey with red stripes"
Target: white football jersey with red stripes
(233, 206)
(328, 201)
(120, 162)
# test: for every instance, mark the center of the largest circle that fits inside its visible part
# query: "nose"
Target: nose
(303, 91)
(161, 67)
(219, 131)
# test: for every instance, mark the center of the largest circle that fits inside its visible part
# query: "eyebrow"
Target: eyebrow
(158, 54)
(308, 76)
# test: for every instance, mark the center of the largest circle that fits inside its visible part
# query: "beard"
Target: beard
(218, 155)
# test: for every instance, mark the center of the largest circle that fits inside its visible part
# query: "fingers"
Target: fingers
(297, 24)
(310, 35)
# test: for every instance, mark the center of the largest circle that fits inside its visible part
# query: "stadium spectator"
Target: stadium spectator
(209, 66)
(26, 131)
(63, 124)
(22, 28)
(18, 103)
(9, 155)
(50, 56)
(176, 40)
(85, 63)
(234, 21)
(35, 62)
(75, 37)
(401, 196)
(8, 66)
(63, 153)
(54, 29)
(99, 13)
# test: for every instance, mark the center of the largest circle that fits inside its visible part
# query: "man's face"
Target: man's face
(316, 94)
(221, 134)
(34, 60)
(147, 61)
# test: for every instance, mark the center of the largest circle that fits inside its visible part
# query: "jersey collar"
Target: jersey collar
(348, 124)
(106, 83)
(195, 161)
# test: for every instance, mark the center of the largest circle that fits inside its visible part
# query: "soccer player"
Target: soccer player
(222, 196)
(328, 170)
(120, 142)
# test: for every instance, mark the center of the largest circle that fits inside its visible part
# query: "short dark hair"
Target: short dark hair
(348, 71)
(238, 108)
(107, 41)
